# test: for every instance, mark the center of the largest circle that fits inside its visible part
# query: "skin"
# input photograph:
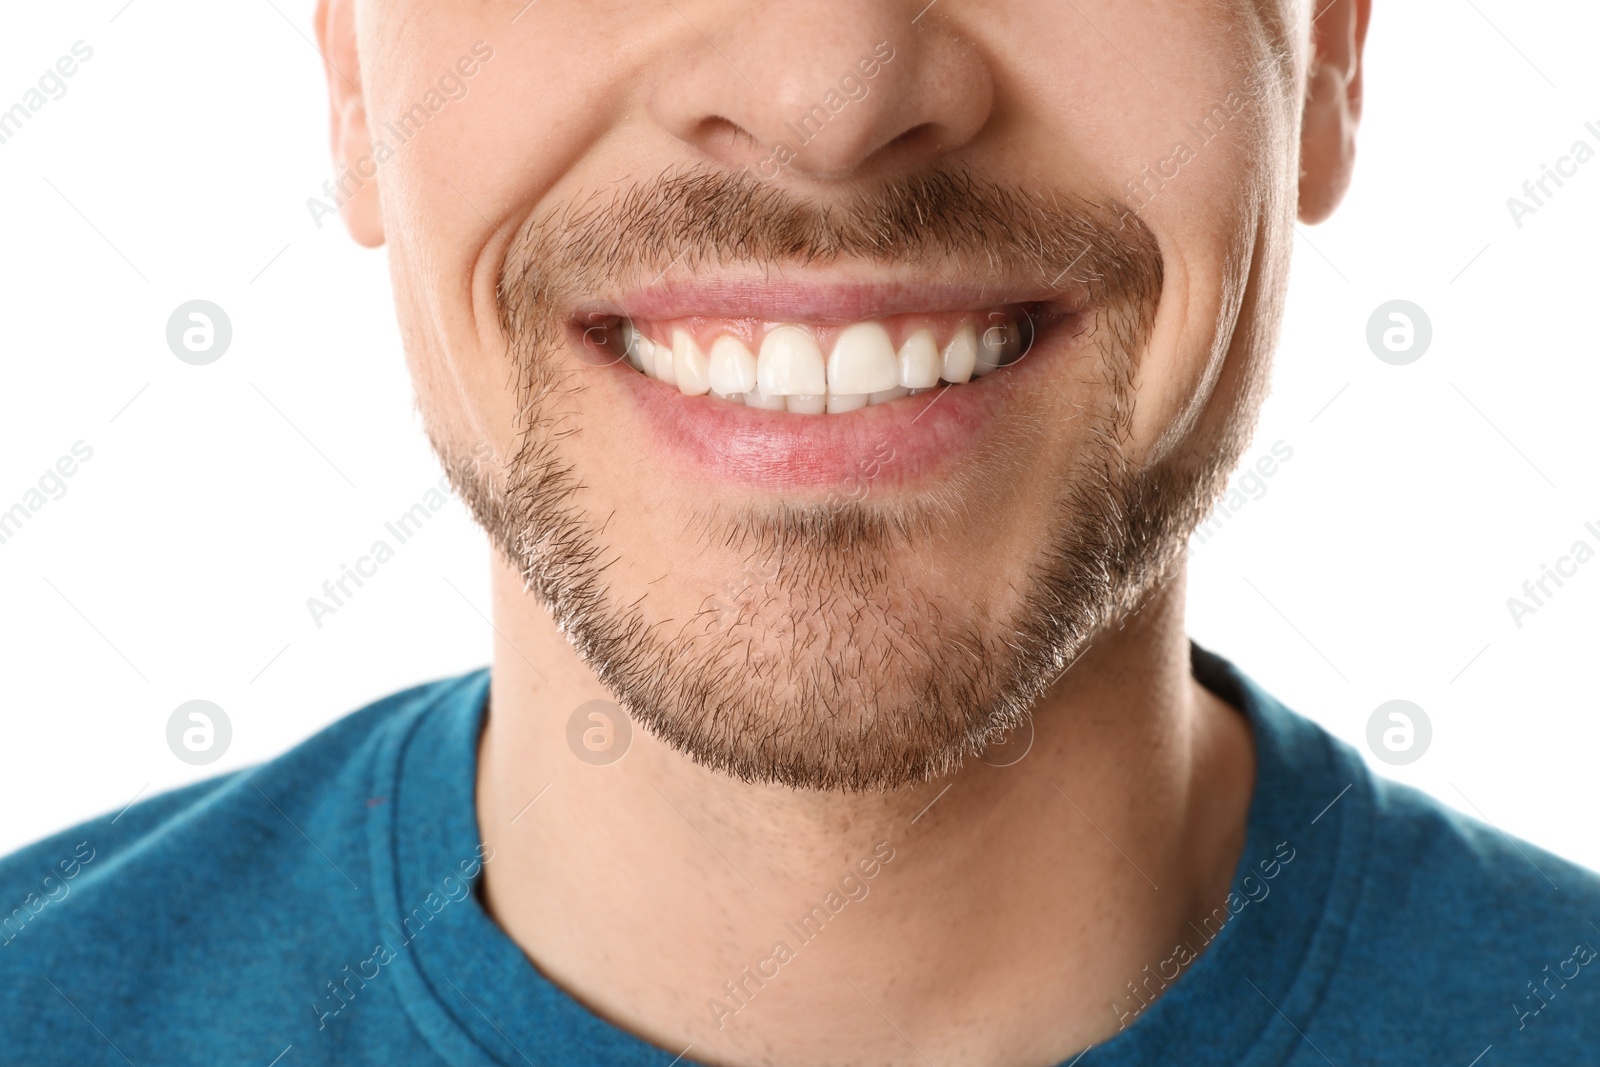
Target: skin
(1019, 904)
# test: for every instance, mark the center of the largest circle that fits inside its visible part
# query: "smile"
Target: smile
(815, 370)
(783, 385)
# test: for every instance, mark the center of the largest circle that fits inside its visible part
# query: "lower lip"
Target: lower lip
(885, 444)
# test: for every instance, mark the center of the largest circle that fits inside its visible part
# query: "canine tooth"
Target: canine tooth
(806, 403)
(841, 402)
(960, 355)
(790, 364)
(863, 360)
(755, 398)
(886, 395)
(689, 364)
(656, 358)
(733, 366)
(995, 347)
(919, 361)
(662, 368)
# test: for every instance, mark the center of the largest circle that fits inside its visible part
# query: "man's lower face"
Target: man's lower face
(829, 497)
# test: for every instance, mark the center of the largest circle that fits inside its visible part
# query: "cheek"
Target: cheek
(1192, 148)
(1223, 243)
(455, 191)
(1206, 279)
(461, 384)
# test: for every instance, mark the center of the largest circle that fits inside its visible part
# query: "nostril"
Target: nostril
(924, 136)
(720, 131)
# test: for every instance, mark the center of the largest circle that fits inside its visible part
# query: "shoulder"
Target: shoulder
(1438, 935)
(1470, 881)
(224, 888)
(330, 764)
(1465, 933)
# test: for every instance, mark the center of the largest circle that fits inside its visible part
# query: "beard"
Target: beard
(826, 659)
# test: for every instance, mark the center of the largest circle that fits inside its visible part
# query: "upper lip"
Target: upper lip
(772, 297)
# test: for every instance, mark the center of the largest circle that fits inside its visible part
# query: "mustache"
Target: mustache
(695, 219)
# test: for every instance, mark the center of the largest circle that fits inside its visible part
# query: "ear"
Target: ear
(356, 178)
(1332, 106)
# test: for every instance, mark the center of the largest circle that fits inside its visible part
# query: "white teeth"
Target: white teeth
(632, 344)
(790, 373)
(841, 402)
(791, 364)
(733, 366)
(994, 348)
(960, 355)
(689, 364)
(755, 398)
(643, 354)
(863, 360)
(920, 366)
(663, 365)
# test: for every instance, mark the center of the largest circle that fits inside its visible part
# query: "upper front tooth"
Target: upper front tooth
(733, 367)
(863, 366)
(960, 355)
(791, 364)
(689, 364)
(863, 360)
(919, 361)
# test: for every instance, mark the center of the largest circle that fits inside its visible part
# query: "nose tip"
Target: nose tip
(824, 92)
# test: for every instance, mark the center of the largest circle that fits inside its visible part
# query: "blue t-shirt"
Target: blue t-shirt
(320, 909)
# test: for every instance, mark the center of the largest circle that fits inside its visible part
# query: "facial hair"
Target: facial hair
(825, 660)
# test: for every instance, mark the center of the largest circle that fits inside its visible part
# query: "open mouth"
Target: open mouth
(784, 384)
(814, 369)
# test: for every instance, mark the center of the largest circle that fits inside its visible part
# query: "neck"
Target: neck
(999, 914)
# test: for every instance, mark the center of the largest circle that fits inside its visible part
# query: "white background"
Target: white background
(1377, 564)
